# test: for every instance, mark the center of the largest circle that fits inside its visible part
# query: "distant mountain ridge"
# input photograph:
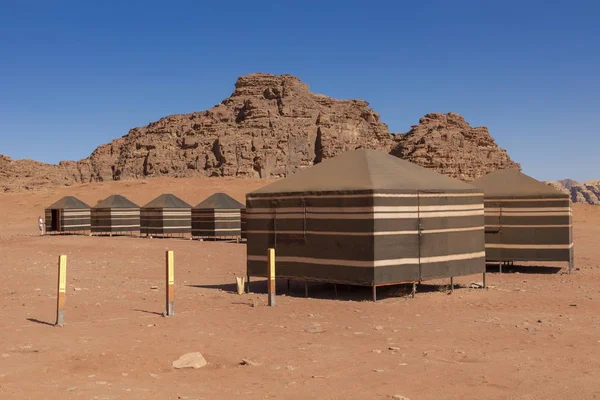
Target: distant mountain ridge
(588, 192)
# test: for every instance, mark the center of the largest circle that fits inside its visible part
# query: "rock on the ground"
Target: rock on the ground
(251, 363)
(190, 360)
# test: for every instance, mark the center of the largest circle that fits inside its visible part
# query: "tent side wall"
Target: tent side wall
(372, 239)
(165, 221)
(115, 220)
(317, 238)
(216, 222)
(452, 241)
(528, 229)
(75, 219)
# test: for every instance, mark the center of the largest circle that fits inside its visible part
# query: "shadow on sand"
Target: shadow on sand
(37, 321)
(330, 291)
(149, 312)
(523, 269)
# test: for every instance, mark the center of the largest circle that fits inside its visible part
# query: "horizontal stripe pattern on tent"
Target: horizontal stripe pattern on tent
(70, 220)
(525, 220)
(115, 220)
(165, 221)
(316, 235)
(216, 222)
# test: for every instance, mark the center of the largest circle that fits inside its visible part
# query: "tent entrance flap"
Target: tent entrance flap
(55, 220)
(289, 227)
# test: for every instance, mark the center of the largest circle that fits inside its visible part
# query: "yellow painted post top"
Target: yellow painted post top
(171, 267)
(271, 263)
(62, 273)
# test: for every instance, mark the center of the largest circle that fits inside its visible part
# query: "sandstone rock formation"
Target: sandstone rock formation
(448, 144)
(588, 192)
(271, 126)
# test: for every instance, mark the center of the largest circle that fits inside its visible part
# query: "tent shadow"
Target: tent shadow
(524, 269)
(327, 291)
(38, 321)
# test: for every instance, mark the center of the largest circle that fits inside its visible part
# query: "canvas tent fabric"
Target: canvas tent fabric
(115, 214)
(243, 228)
(166, 215)
(217, 216)
(525, 220)
(68, 214)
(366, 218)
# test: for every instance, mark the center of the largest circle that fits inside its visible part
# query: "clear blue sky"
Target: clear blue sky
(75, 74)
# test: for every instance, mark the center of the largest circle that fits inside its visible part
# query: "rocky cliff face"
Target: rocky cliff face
(448, 144)
(588, 192)
(271, 126)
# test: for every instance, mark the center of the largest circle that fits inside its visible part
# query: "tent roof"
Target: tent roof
(68, 202)
(167, 200)
(511, 183)
(221, 201)
(116, 201)
(366, 170)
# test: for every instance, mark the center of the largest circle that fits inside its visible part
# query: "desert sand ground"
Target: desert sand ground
(534, 334)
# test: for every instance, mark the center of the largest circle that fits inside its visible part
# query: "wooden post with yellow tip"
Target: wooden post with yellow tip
(271, 277)
(62, 290)
(170, 284)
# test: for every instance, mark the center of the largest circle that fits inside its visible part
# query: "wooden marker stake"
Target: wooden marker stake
(271, 277)
(170, 284)
(62, 290)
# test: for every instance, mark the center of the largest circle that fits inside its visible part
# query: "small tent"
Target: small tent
(217, 216)
(525, 219)
(68, 214)
(114, 215)
(165, 216)
(366, 218)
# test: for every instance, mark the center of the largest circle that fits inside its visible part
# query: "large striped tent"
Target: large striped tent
(68, 214)
(366, 218)
(525, 220)
(114, 215)
(166, 215)
(217, 216)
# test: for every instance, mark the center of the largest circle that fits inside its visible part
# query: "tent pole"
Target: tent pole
(248, 283)
(484, 280)
(500, 266)
(289, 285)
(451, 284)
(305, 289)
(374, 293)
(335, 289)
(414, 290)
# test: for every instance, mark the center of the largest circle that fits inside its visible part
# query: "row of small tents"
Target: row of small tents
(218, 216)
(368, 218)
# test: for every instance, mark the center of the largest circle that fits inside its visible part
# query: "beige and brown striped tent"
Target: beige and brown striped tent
(68, 215)
(366, 218)
(525, 220)
(167, 215)
(217, 216)
(115, 215)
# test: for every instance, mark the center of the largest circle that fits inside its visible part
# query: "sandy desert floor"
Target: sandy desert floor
(533, 334)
